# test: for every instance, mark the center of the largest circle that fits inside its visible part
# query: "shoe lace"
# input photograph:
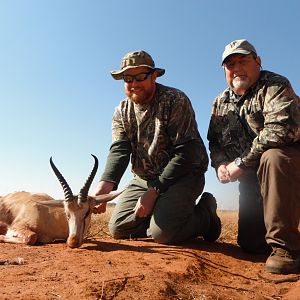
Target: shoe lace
(283, 253)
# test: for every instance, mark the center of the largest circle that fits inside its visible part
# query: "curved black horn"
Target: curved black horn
(82, 196)
(67, 190)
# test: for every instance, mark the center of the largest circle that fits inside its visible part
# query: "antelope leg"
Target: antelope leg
(24, 236)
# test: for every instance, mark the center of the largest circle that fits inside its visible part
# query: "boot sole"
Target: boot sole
(274, 270)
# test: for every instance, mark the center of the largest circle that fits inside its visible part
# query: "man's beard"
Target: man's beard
(241, 83)
(142, 96)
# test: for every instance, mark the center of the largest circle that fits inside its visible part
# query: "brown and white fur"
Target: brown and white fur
(38, 218)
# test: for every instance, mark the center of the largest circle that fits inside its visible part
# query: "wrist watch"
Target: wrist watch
(239, 162)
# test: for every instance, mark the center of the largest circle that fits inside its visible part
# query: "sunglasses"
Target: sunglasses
(138, 77)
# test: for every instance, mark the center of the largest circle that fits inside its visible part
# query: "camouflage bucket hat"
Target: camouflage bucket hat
(238, 47)
(136, 59)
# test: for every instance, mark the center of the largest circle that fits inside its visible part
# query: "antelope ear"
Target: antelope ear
(106, 197)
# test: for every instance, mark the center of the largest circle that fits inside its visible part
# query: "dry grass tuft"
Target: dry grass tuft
(229, 221)
(98, 227)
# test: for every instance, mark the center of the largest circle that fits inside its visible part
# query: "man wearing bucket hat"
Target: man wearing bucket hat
(155, 127)
(254, 137)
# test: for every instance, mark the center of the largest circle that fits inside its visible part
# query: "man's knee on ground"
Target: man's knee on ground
(115, 231)
(162, 239)
(161, 236)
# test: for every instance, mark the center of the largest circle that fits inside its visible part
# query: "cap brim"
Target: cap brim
(118, 75)
(237, 51)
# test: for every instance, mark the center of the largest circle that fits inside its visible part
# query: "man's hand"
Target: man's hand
(223, 174)
(235, 172)
(145, 204)
(103, 187)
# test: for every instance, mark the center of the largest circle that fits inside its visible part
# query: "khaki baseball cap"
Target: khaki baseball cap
(238, 47)
(136, 59)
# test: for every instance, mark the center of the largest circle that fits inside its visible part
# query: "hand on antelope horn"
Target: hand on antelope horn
(103, 187)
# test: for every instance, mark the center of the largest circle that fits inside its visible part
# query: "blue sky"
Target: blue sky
(57, 96)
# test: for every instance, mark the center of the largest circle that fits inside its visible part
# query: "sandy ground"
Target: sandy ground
(103, 268)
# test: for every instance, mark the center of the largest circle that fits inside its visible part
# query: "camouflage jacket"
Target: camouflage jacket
(163, 136)
(266, 116)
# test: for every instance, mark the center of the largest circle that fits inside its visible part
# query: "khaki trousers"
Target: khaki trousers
(279, 177)
(174, 218)
(269, 202)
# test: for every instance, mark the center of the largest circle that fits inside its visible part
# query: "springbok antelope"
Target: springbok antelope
(38, 218)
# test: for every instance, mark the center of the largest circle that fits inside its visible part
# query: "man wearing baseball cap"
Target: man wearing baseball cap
(155, 128)
(254, 137)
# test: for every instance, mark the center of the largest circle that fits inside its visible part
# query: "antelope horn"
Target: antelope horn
(107, 197)
(83, 194)
(67, 190)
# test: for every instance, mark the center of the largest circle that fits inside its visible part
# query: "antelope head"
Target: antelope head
(78, 208)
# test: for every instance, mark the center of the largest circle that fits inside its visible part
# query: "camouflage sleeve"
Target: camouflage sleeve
(118, 131)
(281, 122)
(217, 153)
(187, 157)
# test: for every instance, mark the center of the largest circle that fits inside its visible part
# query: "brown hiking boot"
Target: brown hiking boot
(282, 261)
(210, 203)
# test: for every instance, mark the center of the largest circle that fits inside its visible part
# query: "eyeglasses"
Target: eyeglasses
(137, 77)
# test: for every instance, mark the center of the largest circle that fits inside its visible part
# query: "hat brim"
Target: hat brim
(118, 75)
(237, 51)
